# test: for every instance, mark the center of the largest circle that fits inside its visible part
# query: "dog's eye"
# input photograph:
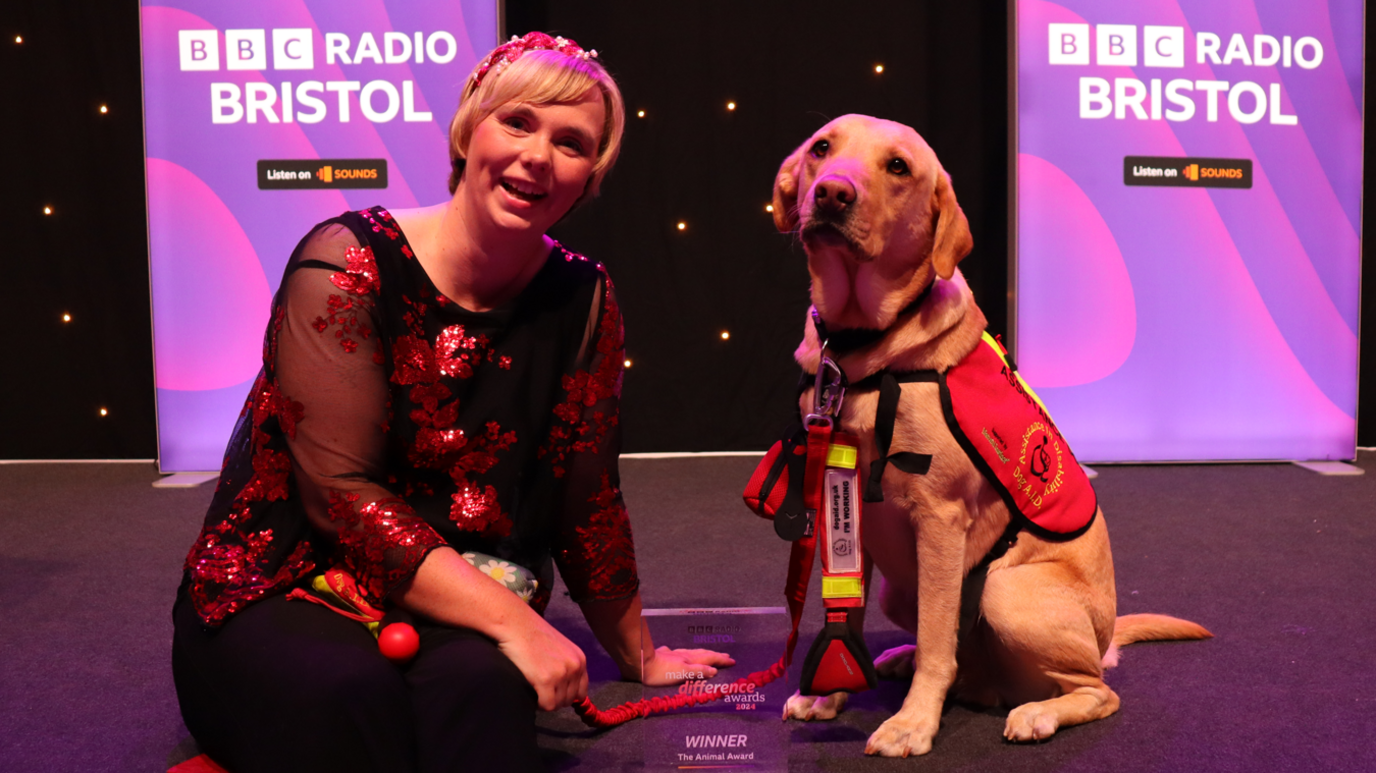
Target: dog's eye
(820, 148)
(898, 166)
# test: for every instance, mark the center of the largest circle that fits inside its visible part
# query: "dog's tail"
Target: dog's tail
(1134, 628)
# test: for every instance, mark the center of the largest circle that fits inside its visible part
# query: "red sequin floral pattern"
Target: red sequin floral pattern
(455, 353)
(578, 426)
(347, 316)
(381, 222)
(231, 564)
(359, 276)
(597, 561)
(439, 445)
(226, 577)
(381, 543)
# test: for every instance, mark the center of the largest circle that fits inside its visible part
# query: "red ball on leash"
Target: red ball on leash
(398, 642)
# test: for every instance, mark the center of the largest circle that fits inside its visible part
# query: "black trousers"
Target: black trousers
(291, 686)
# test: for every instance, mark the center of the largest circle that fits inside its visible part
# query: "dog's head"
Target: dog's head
(877, 217)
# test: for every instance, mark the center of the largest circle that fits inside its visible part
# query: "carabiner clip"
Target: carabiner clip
(829, 388)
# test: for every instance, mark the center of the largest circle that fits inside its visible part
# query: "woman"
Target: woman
(437, 382)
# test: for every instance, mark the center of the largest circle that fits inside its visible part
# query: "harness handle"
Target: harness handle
(914, 464)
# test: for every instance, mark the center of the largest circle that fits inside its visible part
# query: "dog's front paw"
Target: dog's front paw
(897, 663)
(900, 736)
(815, 707)
(1031, 722)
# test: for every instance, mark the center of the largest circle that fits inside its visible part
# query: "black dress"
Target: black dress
(388, 421)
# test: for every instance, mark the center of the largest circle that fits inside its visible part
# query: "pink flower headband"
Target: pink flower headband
(511, 50)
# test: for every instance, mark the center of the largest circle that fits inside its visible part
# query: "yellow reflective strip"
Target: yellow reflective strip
(1033, 393)
(993, 344)
(841, 456)
(842, 588)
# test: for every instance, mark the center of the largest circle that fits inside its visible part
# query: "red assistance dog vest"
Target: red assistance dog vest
(1018, 446)
(1009, 436)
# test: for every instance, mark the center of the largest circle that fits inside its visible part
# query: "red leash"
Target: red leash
(619, 715)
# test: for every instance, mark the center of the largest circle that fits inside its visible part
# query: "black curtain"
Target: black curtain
(89, 257)
(788, 67)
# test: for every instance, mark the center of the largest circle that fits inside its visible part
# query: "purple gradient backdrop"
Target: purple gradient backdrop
(1176, 324)
(217, 243)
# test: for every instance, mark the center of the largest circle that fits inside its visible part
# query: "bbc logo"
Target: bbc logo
(1116, 44)
(292, 49)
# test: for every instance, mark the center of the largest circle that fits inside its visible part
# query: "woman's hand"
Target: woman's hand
(626, 637)
(553, 665)
(447, 589)
(668, 667)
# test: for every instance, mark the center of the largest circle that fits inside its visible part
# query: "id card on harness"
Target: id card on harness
(841, 538)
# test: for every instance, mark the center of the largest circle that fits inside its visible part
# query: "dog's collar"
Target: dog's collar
(843, 342)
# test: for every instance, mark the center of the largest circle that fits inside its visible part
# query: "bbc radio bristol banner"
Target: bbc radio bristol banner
(1189, 225)
(262, 118)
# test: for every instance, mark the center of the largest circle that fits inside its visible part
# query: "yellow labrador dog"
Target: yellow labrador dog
(880, 223)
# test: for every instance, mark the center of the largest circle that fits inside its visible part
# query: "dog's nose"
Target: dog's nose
(834, 194)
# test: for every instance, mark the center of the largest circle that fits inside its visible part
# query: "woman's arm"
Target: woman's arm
(447, 589)
(594, 548)
(328, 370)
(328, 363)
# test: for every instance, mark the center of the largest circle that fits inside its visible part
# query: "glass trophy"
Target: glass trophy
(741, 729)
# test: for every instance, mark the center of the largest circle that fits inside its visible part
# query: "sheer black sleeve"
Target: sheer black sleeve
(329, 365)
(593, 549)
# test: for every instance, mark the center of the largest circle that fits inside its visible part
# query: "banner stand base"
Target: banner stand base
(185, 479)
(1331, 468)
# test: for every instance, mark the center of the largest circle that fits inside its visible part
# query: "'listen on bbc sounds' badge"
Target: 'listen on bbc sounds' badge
(1188, 172)
(278, 174)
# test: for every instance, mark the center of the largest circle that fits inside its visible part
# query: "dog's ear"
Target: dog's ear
(786, 190)
(952, 241)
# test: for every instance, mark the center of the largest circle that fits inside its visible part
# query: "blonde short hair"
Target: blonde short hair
(539, 78)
